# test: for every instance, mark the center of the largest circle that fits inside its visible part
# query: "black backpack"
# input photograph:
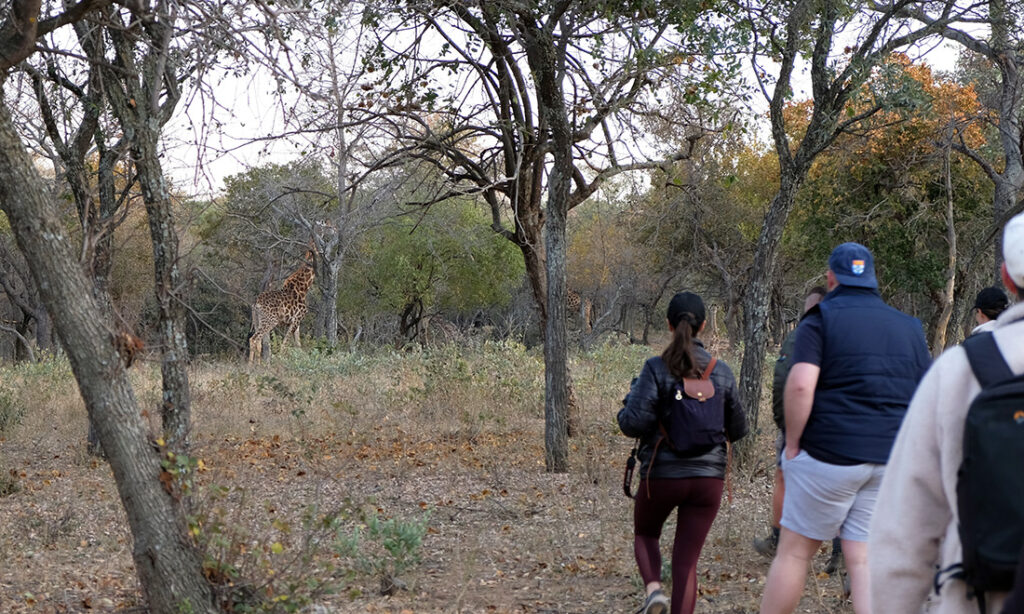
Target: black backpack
(990, 481)
(693, 419)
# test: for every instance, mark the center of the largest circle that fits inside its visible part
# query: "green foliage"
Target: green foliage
(11, 411)
(289, 566)
(299, 185)
(179, 471)
(382, 547)
(447, 258)
(887, 190)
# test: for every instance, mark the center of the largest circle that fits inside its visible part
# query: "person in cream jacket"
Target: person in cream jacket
(914, 530)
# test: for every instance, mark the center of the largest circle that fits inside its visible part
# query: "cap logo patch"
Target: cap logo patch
(858, 267)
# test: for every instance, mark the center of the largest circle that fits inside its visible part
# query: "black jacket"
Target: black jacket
(779, 376)
(640, 412)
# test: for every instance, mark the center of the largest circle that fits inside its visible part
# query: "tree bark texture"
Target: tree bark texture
(543, 59)
(938, 338)
(757, 306)
(177, 401)
(134, 91)
(167, 563)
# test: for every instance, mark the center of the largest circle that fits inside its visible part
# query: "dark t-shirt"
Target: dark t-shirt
(808, 347)
(808, 344)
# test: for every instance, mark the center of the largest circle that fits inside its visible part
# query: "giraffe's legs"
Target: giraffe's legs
(255, 347)
(287, 334)
(298, 340)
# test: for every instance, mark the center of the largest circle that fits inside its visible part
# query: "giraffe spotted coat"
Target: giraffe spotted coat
(284, 306)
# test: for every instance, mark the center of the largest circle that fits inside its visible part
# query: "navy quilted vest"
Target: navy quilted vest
(872, 359)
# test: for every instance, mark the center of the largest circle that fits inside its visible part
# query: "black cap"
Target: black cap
(991, 299)
(686, 303)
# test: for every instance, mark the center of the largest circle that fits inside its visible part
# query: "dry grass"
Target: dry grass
(452, 435)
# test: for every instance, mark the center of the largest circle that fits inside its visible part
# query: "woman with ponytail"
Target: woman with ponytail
(690, 480)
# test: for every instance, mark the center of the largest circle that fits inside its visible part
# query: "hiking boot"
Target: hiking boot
(766, 546)
(656, 603)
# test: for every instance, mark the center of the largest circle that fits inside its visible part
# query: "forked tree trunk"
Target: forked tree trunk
(143, 98)
(756, 312)
(167, 563)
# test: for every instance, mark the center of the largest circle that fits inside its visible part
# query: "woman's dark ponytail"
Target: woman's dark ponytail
(686, 316)
(678, 356)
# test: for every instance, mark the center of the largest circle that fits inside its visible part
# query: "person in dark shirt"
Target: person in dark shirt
(766, 546)
(856, 364)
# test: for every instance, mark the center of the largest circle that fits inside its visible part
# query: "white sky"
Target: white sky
(247, 110)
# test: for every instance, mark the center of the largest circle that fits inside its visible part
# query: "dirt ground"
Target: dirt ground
(502, 535)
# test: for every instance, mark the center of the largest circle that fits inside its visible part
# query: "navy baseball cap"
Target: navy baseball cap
(853, 265)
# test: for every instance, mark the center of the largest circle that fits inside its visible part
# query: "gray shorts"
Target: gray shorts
(824, 500)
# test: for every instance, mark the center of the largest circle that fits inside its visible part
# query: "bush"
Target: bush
(287, 568)
(11, 411)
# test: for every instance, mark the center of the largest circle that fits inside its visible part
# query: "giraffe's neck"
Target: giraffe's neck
(300, 281)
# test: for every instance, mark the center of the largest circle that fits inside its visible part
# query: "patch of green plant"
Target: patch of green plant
(384, 548)
(11, 409)
(47, 366)
(179, 472)
(288, 566)
(323, 360)
(510, 374)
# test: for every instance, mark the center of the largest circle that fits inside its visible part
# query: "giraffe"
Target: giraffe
(580, 305)
(284, 306)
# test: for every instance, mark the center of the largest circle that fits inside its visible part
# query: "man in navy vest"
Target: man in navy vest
(856, 363)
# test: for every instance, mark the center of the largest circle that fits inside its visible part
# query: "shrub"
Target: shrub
(11, 410)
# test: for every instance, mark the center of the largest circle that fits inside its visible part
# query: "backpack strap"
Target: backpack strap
(707, 370)
(986, 360)
(627, 476)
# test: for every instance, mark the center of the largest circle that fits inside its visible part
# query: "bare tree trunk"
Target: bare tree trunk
(530, 242)
(177, 400)
(22, 346)
(1008, 58)
(143, 93)
(44, 329)
(329, 287)
(756, 312)
(167, 563)
(541, 52)
(938, 336)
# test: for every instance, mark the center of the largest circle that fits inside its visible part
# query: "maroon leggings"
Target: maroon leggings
(698, 500)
